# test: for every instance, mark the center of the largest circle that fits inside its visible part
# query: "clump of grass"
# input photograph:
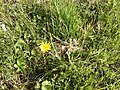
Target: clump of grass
(65, 19)
(84, 42)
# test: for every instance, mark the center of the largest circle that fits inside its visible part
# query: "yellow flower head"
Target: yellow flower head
(45, 47)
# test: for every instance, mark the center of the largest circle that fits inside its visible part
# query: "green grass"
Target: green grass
(85, 45)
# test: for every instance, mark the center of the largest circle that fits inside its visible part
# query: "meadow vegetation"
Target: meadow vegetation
(59, 45)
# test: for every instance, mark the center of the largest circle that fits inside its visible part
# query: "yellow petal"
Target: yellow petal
(45, 47)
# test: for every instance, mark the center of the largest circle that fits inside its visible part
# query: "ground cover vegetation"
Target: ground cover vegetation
(59, 45)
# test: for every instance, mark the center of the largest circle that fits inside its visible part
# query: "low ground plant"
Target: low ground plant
(59, 45)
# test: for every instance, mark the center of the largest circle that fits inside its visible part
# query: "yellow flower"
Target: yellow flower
(45, 47)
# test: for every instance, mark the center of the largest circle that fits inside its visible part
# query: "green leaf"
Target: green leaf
(46, 85)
